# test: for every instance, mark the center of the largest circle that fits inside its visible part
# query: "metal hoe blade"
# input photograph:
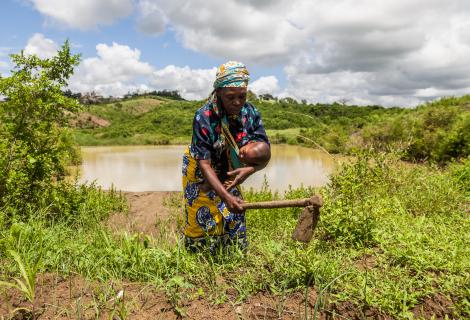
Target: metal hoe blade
(306, 224)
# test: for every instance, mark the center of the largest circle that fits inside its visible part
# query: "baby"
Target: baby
(255, 153)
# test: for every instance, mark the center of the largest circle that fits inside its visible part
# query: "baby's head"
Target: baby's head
(255, 153)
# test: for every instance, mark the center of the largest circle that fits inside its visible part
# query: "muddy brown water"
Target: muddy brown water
(158, 168)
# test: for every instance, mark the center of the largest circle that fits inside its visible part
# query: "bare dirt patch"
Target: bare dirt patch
(85, 120)
(437, 306)
(348, 310)
(366, 262)
(148, 213)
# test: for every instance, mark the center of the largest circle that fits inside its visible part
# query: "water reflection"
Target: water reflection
(158, 168)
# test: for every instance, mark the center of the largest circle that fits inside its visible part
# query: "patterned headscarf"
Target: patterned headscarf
(232, 74)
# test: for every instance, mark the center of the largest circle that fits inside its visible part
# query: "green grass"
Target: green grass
(289, 136)
(410, 222)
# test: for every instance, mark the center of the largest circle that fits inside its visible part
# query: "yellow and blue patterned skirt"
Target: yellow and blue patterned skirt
(209, 224)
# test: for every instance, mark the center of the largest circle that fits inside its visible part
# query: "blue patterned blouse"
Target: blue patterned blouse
(207, 140)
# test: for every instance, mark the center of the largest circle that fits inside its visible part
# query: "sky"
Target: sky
(391, 53)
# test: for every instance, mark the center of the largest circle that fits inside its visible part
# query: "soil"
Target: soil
(89, 121)
(436, 307)
(366, 262)
(147, 213)
(59, 297)
(74, 297)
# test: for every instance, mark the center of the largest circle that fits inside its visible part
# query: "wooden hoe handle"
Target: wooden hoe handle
(315, 201)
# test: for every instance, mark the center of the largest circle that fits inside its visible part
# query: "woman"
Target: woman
(212, 171)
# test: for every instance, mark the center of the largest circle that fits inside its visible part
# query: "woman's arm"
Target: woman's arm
(241, 174)
(233, 203)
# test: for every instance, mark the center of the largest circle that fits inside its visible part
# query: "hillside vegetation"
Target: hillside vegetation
(438, 131)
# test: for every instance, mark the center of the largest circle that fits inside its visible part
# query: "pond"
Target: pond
(158, 168)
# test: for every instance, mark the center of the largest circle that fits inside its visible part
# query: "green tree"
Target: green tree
(35, 145)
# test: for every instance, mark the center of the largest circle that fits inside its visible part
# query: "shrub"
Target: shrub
(349, 214)
(35, 145)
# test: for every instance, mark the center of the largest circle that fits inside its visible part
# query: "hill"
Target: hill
(438, 131)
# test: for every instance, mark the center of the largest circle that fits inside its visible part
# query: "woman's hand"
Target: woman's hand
(239, 176)
(233, 203)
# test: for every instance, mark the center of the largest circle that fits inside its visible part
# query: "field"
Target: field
(392, 242)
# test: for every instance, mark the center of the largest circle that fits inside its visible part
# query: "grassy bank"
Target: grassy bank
(390, 237)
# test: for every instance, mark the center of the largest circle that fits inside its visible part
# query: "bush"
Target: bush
(439, 132)
(349, 214)
(35, 145)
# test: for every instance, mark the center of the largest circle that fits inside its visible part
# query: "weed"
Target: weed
(175, 289)
(26, 284)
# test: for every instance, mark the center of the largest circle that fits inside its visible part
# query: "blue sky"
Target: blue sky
(365, 52)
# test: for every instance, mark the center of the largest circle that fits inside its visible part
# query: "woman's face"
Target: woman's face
(233, 99)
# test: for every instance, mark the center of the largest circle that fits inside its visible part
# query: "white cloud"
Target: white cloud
(115, 89)
(151, 19)
(264, 85)
(116, 70)
(84, 14)
(431, 93)
(4, 67)
(240, 30)
(41, 46)
(391, 52)
(378, 52)
(192, 84)
(383, 51)
(353, 87)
